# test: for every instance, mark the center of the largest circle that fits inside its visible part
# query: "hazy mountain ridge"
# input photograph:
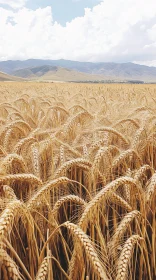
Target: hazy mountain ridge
(53, 73)
(34, 71)
(35, 68)
(5, 77)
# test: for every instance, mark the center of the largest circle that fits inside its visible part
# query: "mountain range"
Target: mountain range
(6, 78)
(67, 70)
(54, 73)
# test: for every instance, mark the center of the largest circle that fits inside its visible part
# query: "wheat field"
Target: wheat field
(77, 181)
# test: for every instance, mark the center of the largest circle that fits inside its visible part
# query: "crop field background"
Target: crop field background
(77, 181)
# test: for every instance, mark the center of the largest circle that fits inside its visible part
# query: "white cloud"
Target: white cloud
(112, 31)
(148, 63)
(15, 4)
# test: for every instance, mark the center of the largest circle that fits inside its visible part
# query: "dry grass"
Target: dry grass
(77, 181)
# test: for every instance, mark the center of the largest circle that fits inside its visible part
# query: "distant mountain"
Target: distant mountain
(53, 73)
(34, 72)
(102, 70)
(5, 77)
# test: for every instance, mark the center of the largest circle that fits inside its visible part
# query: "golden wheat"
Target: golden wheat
(77, 161)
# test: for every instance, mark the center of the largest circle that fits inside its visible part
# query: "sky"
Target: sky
(82, 30)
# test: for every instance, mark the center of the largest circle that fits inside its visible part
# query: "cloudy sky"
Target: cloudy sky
(83, 30)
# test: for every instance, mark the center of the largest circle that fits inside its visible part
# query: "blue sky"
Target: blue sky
(82, 30)
(63, 10)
